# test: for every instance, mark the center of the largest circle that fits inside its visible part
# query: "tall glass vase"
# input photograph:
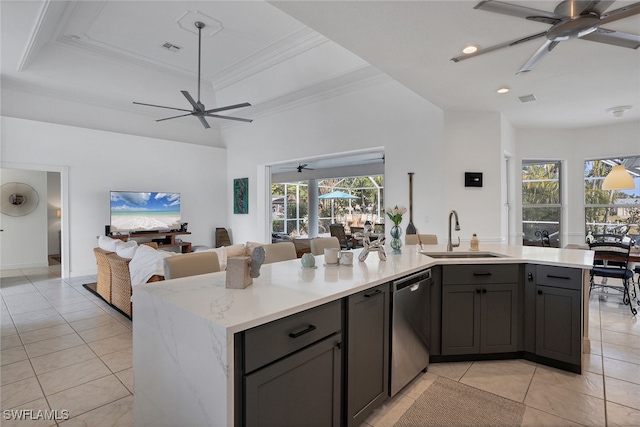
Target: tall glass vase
(396, 243)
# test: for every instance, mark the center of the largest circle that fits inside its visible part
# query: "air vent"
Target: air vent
(171, 47)
(527, 98)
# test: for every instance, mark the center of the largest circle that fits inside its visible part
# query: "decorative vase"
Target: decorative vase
(308, 260)
(396, 243)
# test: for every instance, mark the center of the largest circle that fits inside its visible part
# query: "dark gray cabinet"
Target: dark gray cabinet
(479, 309)
(436, 311)
(367, 349)
(558, 333)
(292, 370)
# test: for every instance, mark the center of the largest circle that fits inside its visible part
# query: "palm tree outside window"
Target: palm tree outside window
(541, 203)
(611, 211)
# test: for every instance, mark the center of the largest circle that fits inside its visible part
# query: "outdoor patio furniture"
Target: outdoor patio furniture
(357, 243)
(337, 230)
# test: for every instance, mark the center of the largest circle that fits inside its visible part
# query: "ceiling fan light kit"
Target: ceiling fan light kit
(570, 19)
(199, 109)
(470, 49)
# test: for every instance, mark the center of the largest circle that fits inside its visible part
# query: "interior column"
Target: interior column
(313, 208)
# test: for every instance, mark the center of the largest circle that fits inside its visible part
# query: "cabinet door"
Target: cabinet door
(367, 352)
(529, 317)
(436, 311)
(460, 319)
(558, 318)
(499, 318)
(303, 389)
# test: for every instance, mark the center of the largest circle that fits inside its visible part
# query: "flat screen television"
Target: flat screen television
(133, 211)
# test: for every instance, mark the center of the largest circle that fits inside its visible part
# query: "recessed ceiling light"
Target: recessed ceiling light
(470, 49)
(503, 90)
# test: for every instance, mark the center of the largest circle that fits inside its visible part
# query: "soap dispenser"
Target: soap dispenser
(475, 243)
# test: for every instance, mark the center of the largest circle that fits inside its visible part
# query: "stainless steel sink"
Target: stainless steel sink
(462, 255)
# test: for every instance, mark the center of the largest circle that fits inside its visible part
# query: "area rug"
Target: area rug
(450, 403)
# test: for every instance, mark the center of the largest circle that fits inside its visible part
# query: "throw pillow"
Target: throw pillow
(107, 243)
(126, 249)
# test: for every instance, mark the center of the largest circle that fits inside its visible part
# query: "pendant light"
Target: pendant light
(618, 178)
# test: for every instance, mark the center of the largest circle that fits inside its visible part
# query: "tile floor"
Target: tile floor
(64, 349)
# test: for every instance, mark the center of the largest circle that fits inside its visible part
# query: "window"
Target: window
(611, 211)
(362, 200)
(541, 203)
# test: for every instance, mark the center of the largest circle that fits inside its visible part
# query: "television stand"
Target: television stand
(169, 240)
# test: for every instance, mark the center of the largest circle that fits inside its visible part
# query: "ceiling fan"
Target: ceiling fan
(199, 110)
(570, 19)
(303, 166)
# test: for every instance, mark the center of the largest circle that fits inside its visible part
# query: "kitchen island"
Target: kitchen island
(184, 329)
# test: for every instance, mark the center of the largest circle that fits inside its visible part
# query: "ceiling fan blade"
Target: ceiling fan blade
(540, 53)
(620, 13)
(239, 119)
(499, 46)
(615, 38)
(228, 107)
(196, 107)
(515, 10)
(160, 106)
(174, 117)
(600, 6)
(204, 122)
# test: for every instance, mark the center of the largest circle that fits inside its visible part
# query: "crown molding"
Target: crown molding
(280, 51)
(358, 79)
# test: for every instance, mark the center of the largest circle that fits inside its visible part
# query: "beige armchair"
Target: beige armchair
(191, 264)
(276, 252)
(319, 244)
(427, 239)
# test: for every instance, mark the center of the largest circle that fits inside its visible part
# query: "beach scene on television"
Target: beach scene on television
(136, 211)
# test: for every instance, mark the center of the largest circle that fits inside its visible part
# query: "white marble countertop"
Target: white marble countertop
(286, 288)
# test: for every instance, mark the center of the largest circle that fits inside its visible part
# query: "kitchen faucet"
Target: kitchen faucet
(450, 245)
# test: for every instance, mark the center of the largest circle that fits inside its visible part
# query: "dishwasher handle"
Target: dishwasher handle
(412, 281)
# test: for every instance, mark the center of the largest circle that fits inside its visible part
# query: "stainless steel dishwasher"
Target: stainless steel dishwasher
(410, 328)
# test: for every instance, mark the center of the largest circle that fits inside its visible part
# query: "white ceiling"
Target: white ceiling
(414, 41)
(83, 63)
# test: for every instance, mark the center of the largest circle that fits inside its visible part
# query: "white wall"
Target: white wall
(573, 147)
(384, 115)
(474, 144)
(24, 239)
(509, 169)
(100, 161)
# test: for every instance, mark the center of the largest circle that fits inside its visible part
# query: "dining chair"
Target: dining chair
(611, 261)
(282, 251)
(543, 235)
(426, 239)
(184, 265)
(337, 230)
(319, 244)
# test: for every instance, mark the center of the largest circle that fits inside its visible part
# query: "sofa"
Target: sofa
(122, 265)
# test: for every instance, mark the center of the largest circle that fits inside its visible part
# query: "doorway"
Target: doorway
(44, 234)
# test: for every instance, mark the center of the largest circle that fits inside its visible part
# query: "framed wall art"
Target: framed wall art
(241, 196)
